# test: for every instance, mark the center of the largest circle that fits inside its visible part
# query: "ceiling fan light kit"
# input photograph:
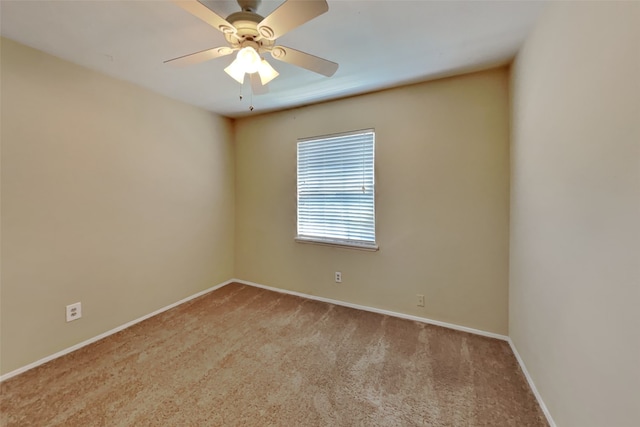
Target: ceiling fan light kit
(249, 61)
(252, 36)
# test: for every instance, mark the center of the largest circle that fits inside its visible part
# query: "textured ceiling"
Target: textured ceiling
(378, 44)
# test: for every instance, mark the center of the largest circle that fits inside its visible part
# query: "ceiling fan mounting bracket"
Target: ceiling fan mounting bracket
(278, 53)
(225, 29)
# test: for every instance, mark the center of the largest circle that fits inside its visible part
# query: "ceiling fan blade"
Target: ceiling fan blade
(304, 60)
(289, 15)
(256, 85)
(201, 11)
(198, 57)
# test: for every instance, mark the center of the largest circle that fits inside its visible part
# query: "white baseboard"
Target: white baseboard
(106, 334)
(313, 297)
(544, 408)
(380, 311)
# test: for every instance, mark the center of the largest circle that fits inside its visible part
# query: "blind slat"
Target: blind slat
(336, 187)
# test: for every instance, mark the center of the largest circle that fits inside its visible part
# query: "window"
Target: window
(336, 193)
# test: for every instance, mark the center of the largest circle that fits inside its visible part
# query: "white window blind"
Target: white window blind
(336, 189)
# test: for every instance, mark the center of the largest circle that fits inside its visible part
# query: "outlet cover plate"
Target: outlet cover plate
(74, 311)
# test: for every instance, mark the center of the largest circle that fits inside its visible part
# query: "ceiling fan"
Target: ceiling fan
(253, 35)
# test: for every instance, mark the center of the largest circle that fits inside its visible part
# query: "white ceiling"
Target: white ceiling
(378, 44)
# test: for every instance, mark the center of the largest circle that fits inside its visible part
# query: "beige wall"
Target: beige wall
(575, 212)
(111, 195)
(442, 201)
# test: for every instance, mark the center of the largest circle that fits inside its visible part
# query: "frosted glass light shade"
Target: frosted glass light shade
(248, 59)
(267, 72)
(236, 71)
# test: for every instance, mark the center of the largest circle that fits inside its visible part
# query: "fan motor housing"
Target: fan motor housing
(244, 16)
(246, 24)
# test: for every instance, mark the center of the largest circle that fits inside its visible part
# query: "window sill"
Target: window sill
(339, 243)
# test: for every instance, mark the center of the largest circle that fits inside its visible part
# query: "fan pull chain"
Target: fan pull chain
(241, 92)
(251, 101)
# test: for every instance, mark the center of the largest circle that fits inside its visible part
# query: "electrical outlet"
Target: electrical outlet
(74, 311)
(420, 300)
(338, 277)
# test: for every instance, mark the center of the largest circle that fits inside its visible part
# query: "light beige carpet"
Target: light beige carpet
(243, 356)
